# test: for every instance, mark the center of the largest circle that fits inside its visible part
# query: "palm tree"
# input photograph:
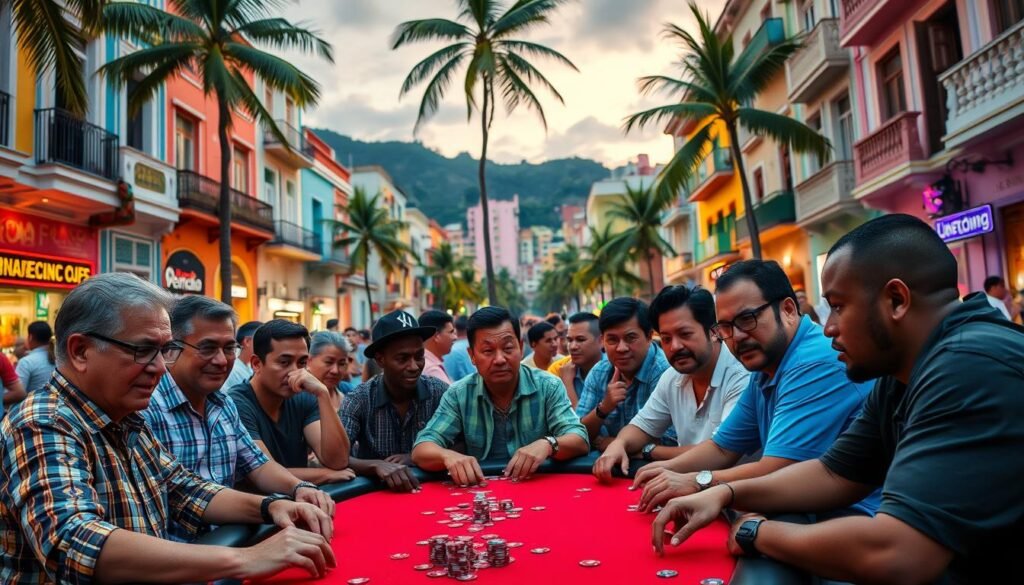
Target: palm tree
(219, 40)
(552, 294)
(370, 229)
(568, 263)
(447, 270)
(605, 263)
(48, 37)
(496, 60)
(641, 209)
(508, 293)
(715, 88)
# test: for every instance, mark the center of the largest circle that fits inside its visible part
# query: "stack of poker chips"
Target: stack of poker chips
(438, 552)
(497, 552)
(507, 505)
(481, 510)
(460, 559)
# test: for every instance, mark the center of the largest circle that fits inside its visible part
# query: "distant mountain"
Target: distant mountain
(444, 187)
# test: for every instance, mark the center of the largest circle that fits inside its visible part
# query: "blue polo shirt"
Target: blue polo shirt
(797, 413)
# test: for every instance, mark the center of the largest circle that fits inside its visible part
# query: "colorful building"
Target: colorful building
(504, 234)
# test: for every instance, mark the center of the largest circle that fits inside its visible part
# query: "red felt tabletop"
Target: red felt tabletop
(576, 525)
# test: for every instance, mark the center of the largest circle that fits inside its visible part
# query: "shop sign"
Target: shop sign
(965, 224)
(42, 305)
(286, 306)
(38, 270)
(22, 233)
(184, 273)
(151, 179)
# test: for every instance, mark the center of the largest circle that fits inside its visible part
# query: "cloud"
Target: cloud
(356, 13)
(589, 137)
(614, 23)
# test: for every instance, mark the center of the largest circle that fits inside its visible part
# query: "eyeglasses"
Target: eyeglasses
(208, 351)
(144, 354)
(745, 321)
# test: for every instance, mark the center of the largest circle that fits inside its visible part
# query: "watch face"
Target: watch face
(704, 478)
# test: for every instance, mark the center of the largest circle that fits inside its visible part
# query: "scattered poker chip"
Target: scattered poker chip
(422, 542)
(590, 563)
(399, 556)
(537, 508)
(481, 565)
(437, 573)
(428, 512)
(475, 529)
(463, 505)
(466, 577)
(633, 508)
(515, 544)
(455, 525)
(583, 489)
(423, 567)
(358, 581)
(445, 522)
(452, 509)
(497, 518)
(488, 536)
(540, 550)
(667, 573)
(712, 581)
(458, 493)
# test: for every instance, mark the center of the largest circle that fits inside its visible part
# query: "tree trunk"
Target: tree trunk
(366, 285)
(492, 290)
(748, 203)
(611, 284)
(601, 284)
(224, 206)
(650, 272)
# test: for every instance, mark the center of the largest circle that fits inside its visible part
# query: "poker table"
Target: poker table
(567, 527)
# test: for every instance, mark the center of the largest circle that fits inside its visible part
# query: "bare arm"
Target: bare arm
(666, 452)
(570, 446)
(129, 557)
(431, 456)
(317, 475)
(15, 392)
(464, 469)
(273, 478)
(706, 455)
(806, 486)
(327, 437)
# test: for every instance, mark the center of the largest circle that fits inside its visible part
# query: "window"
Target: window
(240, 170)
(814, 123)
(807, 16)
(185, 143)
(758, 185)
(132, 255)
(134, 137)
(1008, 13)
(268, 101)
(844, 136)
(291, 206)
(289, 111)
(270, 187)
(890, 77)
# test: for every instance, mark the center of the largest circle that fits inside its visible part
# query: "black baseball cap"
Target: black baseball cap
(396, 324)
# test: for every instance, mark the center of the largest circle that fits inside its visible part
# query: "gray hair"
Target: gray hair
(98, 305)
(321, 340)
(191, 307)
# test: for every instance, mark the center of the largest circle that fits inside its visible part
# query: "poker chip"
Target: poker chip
(466, 577)
(583, 489)
(515, 544)
(428, 512)
(511, 515)
(399, 556)
(712, 581)
(667, 573)
(423, 567)
(497, 552)
(437, 573)
(422, 542)
(488, 536)
(455, 525)
(358, 581)
(452, 509)
(475, 529)
(537, 508)
(540, 550)
(590, 563)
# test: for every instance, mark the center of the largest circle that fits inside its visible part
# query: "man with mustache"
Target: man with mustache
(694, 396)
(197, 422)
(940, 432)
(287, 411)
(798, 401)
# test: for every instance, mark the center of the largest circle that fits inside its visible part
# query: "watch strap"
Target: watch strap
(554, 443)
(265, 507)
(648, 451)
(746, 536)
(303, 484)
(600, 413)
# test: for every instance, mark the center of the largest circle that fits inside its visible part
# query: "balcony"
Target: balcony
(203, 194)
(675, 267)
(895, 143)
(64, 139)
(719, 244)
(297, 152)
(863, 22)
(820, 63)
(826, 194)
(5, 119)
(774, 215)
(985, 90)
(294, 241)
(715, 169)
(771, 32)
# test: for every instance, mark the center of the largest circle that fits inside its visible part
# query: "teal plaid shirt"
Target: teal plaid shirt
(539, 408)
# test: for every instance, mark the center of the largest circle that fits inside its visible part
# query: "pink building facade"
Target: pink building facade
(504, 234)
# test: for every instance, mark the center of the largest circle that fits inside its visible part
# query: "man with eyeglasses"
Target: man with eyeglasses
(197, 422)
(798, 401)
(87, 491)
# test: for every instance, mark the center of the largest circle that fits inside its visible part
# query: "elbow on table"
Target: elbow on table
(896, 567)
(423, 457)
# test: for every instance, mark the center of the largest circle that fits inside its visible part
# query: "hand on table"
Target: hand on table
(318, 498)
(734, 548)
(527, 459)
(614, 455)
(463, 469)
(292, 547)
(689, 514)
(287, 513)
(339, 475)
(397, 476)
(648, 472)
(666, 486)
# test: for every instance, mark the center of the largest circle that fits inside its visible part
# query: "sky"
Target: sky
(612, 43)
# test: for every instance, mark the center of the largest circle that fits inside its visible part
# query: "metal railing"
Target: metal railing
(203, 193)
(286, 232)
(771, 32)
(5, 119)
(777, 208)
(66, 139)
(296, 139)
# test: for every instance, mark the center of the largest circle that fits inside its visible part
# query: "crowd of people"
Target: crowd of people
(881, 446)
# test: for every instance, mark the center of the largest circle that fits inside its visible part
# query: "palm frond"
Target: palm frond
(148, 23)
(435, 90)
(752, 74)
(430, 29)
(660, 114)
(785, 130)
(675, 87)
(523, 15)
(684, 163)
(428, 66)
(277, 73)
(282, 35)
(47, 38)
(536, 50)
(533, 75)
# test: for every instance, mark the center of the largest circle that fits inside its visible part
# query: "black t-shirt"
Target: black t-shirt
(948, 448)
(284, 439)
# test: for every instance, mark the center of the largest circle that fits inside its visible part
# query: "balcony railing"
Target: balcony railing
(338, 254)
(716, 166)
(862, 22)
(286, 232)
(5, 119)
(203, 193)
(825, 191)
(895, 143)
(986, 88)
(776, 209)
(721, 241)
(771, 32)
(818, 64)
(296, 139)
(65, 139)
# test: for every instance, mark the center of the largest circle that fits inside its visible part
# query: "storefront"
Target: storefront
(41, 259)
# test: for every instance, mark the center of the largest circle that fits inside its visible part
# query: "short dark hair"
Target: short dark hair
(622, 309)
(461, 322)
(589, 318)
(247, 330)
(489, 318)
(331, 323)
(553, 318)
(767, 275)
(904, 247)
(352, 329)
(538, 331)
(276, 330)
(990, 283)
(364, 334)
(191, 307)
(40, 332)
(699, 300)
(435, 319)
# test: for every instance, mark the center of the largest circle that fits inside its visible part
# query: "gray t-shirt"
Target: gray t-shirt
(500, 437)
(284, 439)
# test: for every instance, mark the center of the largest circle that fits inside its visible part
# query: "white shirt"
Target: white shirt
(999, 304)
(673, 402)
(240, 373)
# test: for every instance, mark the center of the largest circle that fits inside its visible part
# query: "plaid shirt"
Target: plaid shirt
(216, 446)
(372, 421)
(70, 476)
(539, 408)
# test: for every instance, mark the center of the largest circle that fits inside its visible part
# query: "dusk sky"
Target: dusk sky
(612, 42)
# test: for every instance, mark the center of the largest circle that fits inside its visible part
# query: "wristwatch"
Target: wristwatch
(303, 484)
(704, 479)
(647, 451)
(747, 534)
(265, 506)
(600, 413)
(554, 443)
